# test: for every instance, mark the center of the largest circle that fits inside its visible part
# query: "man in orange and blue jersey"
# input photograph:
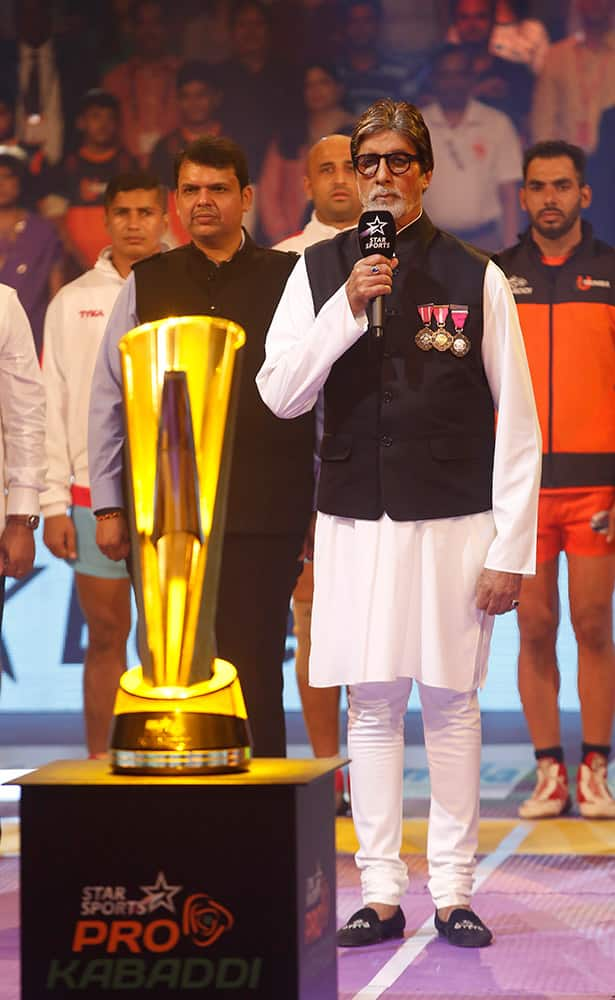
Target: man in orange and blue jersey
(563, 280)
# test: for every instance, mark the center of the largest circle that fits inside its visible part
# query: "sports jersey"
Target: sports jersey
(567, 317)
(74, 327)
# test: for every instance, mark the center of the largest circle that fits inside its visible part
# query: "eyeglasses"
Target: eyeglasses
(368, 164)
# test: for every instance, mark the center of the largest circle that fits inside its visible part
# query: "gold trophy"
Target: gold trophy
(182, 710)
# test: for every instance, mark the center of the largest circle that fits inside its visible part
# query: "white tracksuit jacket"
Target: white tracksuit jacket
(74, 326)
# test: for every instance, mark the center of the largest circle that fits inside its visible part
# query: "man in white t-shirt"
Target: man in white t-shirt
(135, 213)
(330, 184)
(474, 191)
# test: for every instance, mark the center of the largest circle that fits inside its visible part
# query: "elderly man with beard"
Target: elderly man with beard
(426, 513)
(563, 280)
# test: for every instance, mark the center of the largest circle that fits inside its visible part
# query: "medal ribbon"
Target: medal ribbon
(459, 316)
(425, 312)
(440, 312)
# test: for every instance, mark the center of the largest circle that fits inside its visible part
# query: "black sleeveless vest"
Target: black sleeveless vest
(272, 484)
(407, 432)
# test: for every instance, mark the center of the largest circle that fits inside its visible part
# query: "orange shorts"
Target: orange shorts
(563, 522)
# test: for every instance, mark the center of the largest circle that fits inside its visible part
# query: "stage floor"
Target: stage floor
(546, 889)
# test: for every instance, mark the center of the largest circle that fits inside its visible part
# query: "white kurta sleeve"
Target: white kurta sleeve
(22, 409)
(518, 445)
(301, 348)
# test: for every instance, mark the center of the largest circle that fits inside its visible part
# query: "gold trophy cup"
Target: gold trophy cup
(182, 710)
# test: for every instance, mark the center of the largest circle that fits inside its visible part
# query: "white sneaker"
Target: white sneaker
(593, 793)
(551, 796)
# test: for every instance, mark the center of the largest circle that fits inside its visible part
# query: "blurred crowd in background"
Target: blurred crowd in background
(91, 89)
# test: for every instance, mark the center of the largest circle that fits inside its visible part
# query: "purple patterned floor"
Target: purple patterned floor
(9, 929)
(553, 916)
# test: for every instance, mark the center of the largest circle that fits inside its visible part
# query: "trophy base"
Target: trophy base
(200, 729)
(175, 763)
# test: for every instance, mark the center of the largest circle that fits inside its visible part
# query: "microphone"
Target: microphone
(377, 235)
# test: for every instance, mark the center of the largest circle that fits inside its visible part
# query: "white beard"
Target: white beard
(394, 204)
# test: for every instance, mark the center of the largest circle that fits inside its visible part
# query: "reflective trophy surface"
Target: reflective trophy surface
(181, 711)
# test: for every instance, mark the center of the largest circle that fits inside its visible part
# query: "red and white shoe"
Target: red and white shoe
(551, 796)
(593, 793)
(342, 799)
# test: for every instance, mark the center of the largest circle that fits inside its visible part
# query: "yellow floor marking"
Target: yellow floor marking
(571, 836)
(552, 836)
(414, 835)
(9, 845)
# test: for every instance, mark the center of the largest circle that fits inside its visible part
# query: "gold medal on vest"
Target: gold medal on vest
(442, 339)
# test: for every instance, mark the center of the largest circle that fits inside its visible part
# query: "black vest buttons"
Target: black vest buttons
(386, 441)
(387, 397)
(212, 309)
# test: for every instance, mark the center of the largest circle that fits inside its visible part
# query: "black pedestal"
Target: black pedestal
(179, 887)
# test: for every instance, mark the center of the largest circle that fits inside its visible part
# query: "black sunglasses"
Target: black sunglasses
(398, 163)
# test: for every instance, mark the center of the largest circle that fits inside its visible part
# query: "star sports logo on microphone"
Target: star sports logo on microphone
(374, 237)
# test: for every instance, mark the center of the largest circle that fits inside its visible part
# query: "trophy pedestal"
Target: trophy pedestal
(158, 886)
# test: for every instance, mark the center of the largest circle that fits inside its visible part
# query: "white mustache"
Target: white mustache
(379, 192)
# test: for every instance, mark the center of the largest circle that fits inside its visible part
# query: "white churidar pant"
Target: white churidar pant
(396, 601)
(451, 721)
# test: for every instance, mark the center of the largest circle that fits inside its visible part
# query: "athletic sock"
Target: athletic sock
(587, 748)
(557, 753)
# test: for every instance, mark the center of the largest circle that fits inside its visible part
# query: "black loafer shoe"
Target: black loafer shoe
(365, 927)
(464, 929)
